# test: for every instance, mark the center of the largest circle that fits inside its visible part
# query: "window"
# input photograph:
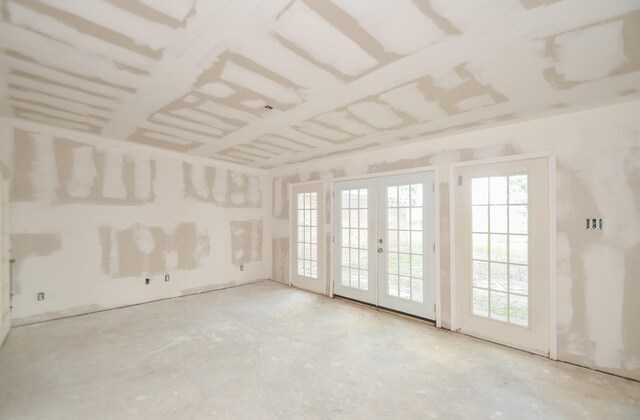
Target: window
(308, 234)
(405, 261)
(500, 227)
(355, 239)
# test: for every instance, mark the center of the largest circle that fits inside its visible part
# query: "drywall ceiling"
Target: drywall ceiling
(341, 75)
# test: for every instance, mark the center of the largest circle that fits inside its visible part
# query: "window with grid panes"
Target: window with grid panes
(500, 227)
(308, 234)
(354, 266)
(405, 259)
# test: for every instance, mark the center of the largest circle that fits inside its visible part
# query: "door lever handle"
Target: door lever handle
(379, 250)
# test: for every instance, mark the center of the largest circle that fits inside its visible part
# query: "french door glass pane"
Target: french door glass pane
(480, 302)
(307, 254)
(405, 263)
(354, 239)
(481, 274)
(500, 226)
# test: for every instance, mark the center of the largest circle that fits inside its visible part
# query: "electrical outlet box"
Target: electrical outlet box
(166, 277)
(594, 224)
(147, 281)
(40, 296)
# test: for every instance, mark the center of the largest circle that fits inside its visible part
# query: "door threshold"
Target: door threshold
(387, 310)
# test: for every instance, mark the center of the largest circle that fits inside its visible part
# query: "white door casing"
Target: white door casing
(501, 243)
(307, 251)
(5, 289)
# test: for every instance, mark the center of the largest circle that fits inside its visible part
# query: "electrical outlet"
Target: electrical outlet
(166, 277)
(594, 224)
(146, 281)
(41, 296)
(242, 268)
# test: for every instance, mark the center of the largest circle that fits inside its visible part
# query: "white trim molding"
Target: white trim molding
(551, 162)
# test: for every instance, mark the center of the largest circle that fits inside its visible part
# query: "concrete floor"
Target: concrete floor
(271, 352)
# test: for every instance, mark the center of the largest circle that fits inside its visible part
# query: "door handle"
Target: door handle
(379, 250)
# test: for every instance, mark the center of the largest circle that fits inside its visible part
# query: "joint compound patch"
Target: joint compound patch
(221, 187)
(246, 241)
(142, 249)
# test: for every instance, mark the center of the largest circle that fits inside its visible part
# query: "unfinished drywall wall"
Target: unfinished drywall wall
(246, 241)
(225, 188)
(93, 218)
(25, 246)
(598, 175)
(149, 250)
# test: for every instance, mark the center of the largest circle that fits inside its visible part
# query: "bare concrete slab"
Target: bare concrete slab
(271, 352)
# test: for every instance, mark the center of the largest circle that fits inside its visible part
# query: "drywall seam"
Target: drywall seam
(98, 140)
(440, 140)
(440, 50)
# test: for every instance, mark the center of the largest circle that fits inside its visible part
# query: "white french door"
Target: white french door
(307, 240)
(406, 244)
(355, 274)
(384, 242)
(501, 252)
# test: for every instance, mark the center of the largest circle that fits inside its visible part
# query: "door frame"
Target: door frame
(425, 178)
(551, 168)
(5, 264)
(436, 214)
(322, 224)
(369, 296)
